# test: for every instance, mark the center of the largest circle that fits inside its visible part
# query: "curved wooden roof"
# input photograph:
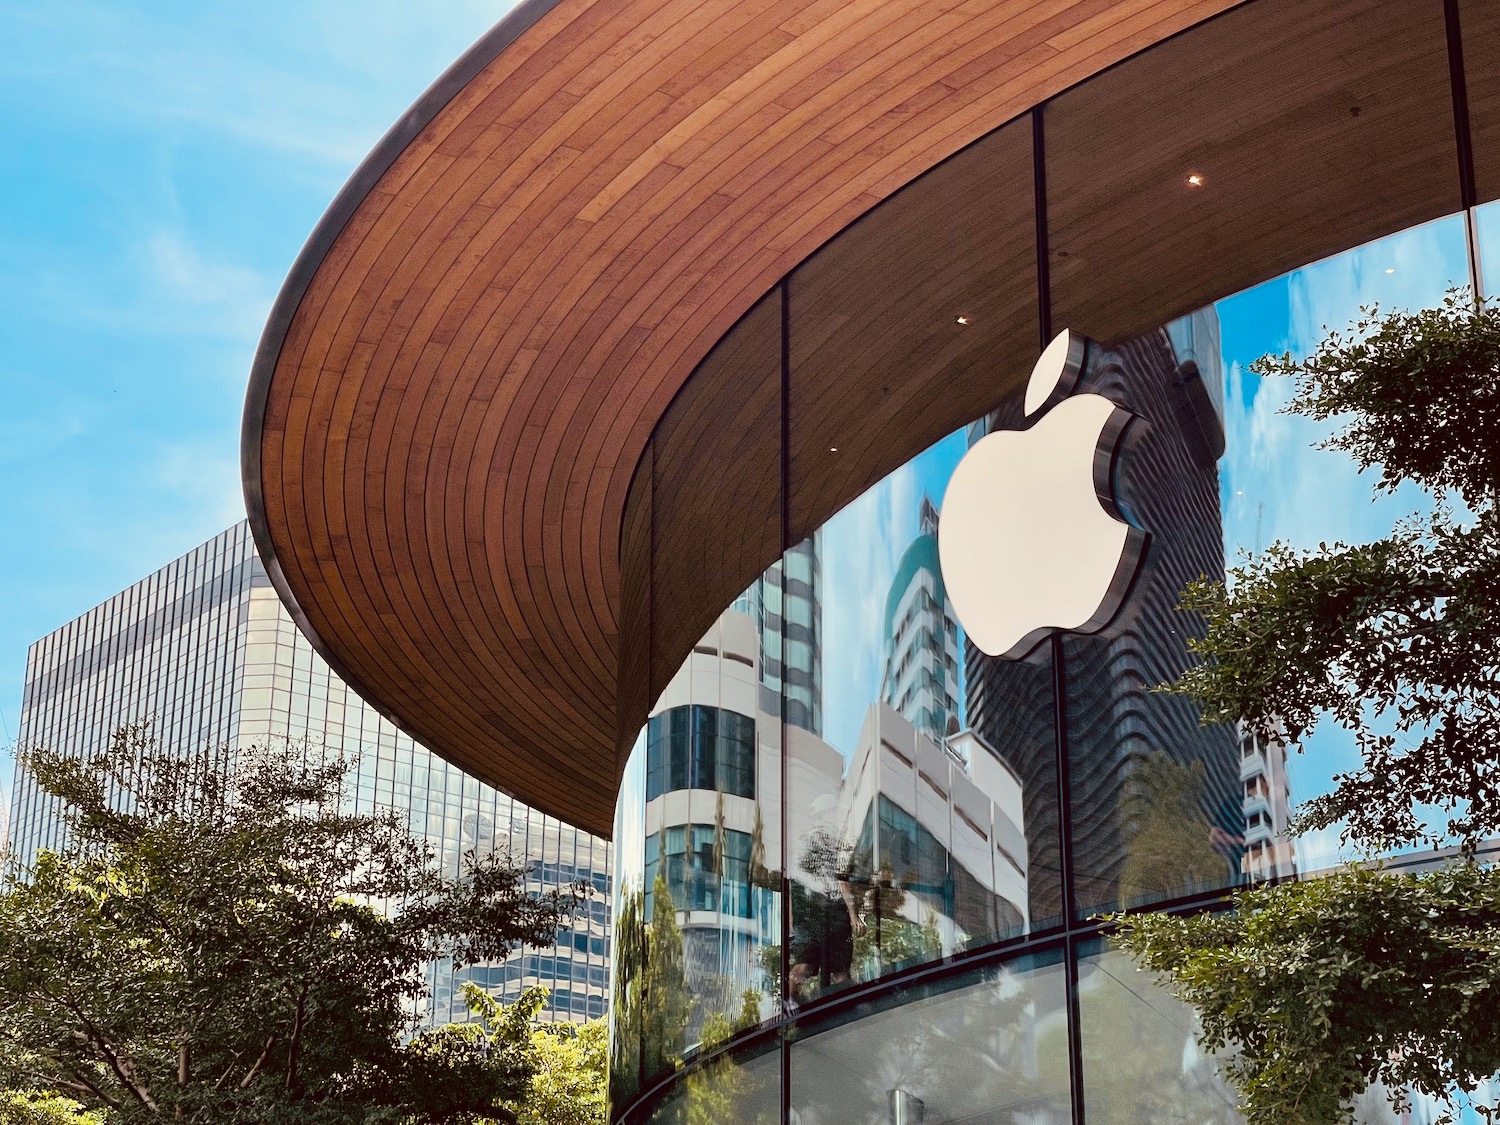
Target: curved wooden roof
(469, 360)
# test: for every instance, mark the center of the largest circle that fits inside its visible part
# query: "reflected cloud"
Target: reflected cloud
(1276, 484)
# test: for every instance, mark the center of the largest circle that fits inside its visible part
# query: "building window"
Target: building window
(698, 747)
(703, 867)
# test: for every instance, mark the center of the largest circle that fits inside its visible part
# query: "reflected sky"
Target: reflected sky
(1487, 219)
(862, 546)
(630, 822)
(1275, 484)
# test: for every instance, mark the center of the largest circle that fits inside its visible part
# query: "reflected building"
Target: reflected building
(1156, 805)
(786, 604)
(1269, 851)
(921, 637)
(711, 750)
(939, 842)
(1156, 794)
(204, 649)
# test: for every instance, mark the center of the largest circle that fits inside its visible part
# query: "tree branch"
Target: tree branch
(122, 1067)
(254, 1070)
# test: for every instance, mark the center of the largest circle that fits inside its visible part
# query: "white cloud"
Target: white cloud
(235, 298)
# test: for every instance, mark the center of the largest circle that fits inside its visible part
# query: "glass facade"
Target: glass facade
(205, 649)
(895, 918)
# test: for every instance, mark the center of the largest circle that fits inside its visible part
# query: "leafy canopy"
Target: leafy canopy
(1322, 987)
(1365, 975)
(224, 942)
(1396, 640)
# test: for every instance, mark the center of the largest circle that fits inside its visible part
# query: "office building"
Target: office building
(204, 650)
(644, 301)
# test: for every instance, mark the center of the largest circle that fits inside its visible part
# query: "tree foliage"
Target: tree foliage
(569, 1079)
(1397, 640)
(30, 1107)
(1325, 986)
(1366, 976)
(228, 944)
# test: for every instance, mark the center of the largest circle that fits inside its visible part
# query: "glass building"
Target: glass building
(204, 650)
(675, 369)
(930, 953)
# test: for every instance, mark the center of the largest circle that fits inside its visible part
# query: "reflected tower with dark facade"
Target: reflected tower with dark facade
(1156, 803)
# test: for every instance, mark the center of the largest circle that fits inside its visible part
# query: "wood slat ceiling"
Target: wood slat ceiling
(463, 374)
(1315, 128)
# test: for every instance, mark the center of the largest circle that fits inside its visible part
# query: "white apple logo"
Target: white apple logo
(1028, 539)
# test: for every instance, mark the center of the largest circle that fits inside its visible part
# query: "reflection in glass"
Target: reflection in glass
(737, 1088)
(908, 826)
(628, 955)
(988, 1046)
(1156, 808)
(1141, 1059)
(1487, 232)
(1276, 482)
(699, 955)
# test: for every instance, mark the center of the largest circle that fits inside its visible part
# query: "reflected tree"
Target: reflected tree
(890, 939)
(664, 1001)
(825, 917)
(1368, 975)
(630, 960)
(1169, 843)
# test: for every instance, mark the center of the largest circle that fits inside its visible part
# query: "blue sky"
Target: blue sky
(162, 165)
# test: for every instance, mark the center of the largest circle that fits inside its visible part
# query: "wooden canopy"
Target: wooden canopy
(469, 359)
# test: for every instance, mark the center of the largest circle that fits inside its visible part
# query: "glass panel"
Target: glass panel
(1156, 812)
(1487, 229)
(716, 486)
(911, 323)
(1141, 1059)
(1275, 484)
(711, 875)
(738, 1088)
(1163, 806)
(634, 857)
(920, 810)
(989, 1046)
(1177, 177)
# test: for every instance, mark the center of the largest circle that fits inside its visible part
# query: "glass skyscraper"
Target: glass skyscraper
(204, 649)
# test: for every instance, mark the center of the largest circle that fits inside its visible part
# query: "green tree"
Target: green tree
(28, 1107)
(1327, 986)
(206, 946)
(569, 1081)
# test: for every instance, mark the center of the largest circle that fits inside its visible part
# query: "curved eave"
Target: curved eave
(467, 361)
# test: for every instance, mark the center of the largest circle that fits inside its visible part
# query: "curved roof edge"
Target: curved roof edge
(332, 223)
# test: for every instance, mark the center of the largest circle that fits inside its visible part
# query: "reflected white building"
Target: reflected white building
(1270, 851)
(921, 636)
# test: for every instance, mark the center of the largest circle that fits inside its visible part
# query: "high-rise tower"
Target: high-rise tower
(205, 650)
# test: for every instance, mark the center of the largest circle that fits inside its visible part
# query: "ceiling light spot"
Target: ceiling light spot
(1195, 179)
(1391, 269)
(833, 449)
(962, 319)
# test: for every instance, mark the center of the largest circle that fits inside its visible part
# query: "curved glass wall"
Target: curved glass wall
(858, 857)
